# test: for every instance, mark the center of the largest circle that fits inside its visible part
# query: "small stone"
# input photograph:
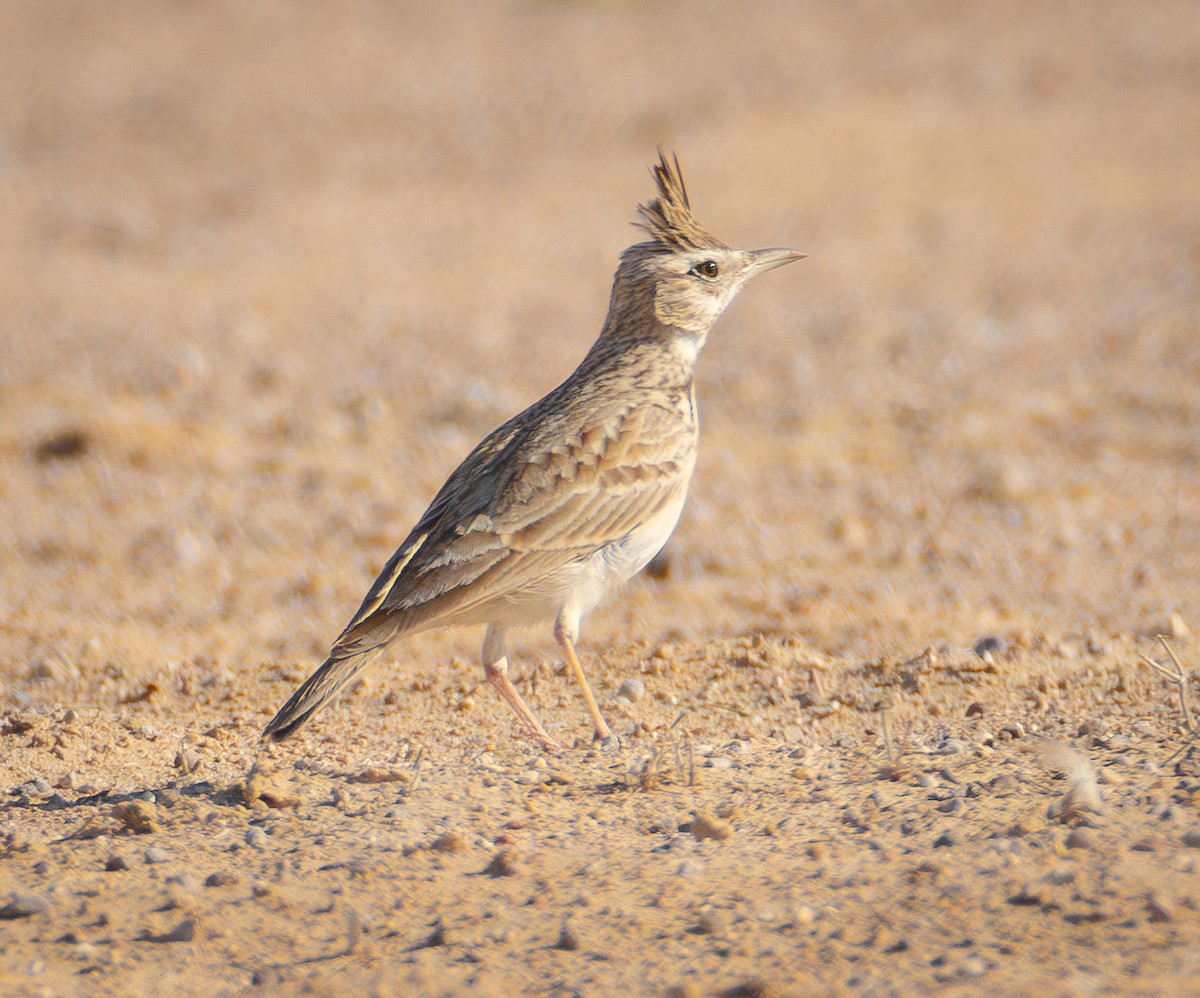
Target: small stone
(1080, 838)
(222, 878)
(377, 774)
(503, 864)
(973, 966)
(709, 924)
(990, 646)
(24, 906)
(632, 690)
(718, 762)
(944, 841)
(184, 932)
(975, 709)
(1191, 839)
(438, 937)
(709, 826)
(1176, 627)
(449, 842)
(1025, 897)
(805, 916)
(37, 787)
(138, 816)
(64, 445)
(1005, 783)
(115, 864)
(256, 837)
(567, 940)
(263, 784)
(156, 855)
(1160, 909)
(689, 869)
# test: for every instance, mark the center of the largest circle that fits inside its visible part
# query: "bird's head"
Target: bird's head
(683, 273)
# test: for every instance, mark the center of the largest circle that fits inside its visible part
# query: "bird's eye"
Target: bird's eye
(707, 269)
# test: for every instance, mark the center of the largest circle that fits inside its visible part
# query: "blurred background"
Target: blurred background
(270, 270)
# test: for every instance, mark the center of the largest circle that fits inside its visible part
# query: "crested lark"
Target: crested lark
(578, 492)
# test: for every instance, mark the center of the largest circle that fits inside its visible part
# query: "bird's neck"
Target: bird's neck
(659, 361)
(638, 344)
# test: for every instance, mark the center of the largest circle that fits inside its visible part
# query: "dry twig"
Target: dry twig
(1177, 677)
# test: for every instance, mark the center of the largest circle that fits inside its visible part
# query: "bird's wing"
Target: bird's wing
(517, 510)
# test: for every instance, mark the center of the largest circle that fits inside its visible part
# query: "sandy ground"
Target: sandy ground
(269, 271)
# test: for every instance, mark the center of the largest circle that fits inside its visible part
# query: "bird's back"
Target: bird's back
(570, 477)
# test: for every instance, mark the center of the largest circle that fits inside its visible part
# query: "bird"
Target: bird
(576, 494)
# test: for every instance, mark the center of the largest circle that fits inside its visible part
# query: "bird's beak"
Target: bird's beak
(760, 261)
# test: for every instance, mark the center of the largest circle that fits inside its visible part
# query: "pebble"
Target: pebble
(567, 940)
(37, 787)
(708, 826)
(1080, 838)
(805, 916)
(256, 836)
(1160, 909)
(449, 842)
(952, 746)
(503, 864)
(156, 855)
(709, 924)
(376, 774)
(116, 863)
(138, 816)
(990, 645)
(718, 762)
(632, 690)
(184, 932)
(689, 868)
(973, 966)
(944, 841)
(1192, 839)
(24, 906)
(222, 878)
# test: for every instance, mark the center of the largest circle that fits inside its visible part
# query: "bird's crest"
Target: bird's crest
(668, 218)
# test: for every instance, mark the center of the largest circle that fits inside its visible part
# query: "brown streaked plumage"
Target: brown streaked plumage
(579, 491)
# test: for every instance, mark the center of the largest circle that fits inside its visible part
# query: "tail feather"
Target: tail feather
(321, 687)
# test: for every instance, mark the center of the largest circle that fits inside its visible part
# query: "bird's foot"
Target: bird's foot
(606, 740)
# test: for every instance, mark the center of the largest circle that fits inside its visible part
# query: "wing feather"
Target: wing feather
(518, 510)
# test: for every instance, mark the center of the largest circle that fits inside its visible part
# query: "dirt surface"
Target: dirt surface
(268, 273)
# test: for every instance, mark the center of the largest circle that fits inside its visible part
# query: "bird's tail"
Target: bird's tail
(318, 689)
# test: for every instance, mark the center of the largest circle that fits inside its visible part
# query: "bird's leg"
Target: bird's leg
(566, 632)
(495, 664)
